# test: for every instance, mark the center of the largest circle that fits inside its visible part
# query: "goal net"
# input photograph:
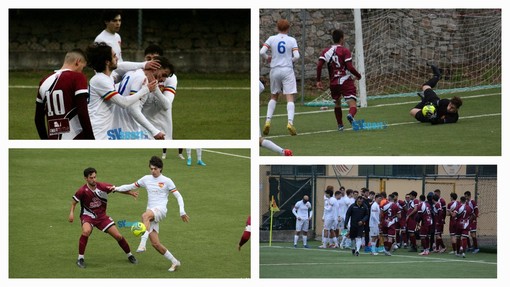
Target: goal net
(399, 43)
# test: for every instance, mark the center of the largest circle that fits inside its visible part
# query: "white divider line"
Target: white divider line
(180, 88)
(224, 153)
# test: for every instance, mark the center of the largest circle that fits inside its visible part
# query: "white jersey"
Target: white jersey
(375, 215)
(345, 202)
(158, 189)
(302, 210)
(113, 40)
(101, 90)
(283, 49)
(159, 113)
(130, 120)
(329, 208)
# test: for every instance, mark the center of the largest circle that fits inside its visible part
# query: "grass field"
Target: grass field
(43, 244)
(477, 133)
(282, 260)
(206, 106)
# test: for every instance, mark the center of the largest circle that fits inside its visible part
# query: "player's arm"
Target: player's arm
(71, 213)
(320, 63)
(125, 102)
(295, 54)
(40, 120)
(348, 216)
(124, 67)
(245, 237)
(180, 201)
(83, 116)
(294, 211)
(136, 112)
(125, 187)
(263, 51)
(350, 67)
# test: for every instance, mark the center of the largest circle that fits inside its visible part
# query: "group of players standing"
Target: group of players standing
(123, 100)
(381, 218)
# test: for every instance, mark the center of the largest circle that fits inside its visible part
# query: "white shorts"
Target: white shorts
(158, 216)
(283, 79)
(329, 224)
(302, 225)
(374, 231)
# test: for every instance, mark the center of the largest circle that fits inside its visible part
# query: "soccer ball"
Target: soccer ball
(428, 110)
(138, 229)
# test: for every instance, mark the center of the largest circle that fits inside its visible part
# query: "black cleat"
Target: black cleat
(81, 263)
(353, 251)
(437, 71)
(357, 253)
(132, 259)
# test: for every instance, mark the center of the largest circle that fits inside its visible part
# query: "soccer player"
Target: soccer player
(357, 215)
(93, 199)
(345, 202)
(103, 94)
(284, 52)
(400, 225)
(375, 223)
(270, 145)
(158, 188)
(463, 213)
(158, 106)
(328, 217)
(391, 215)
(472, 221)
(437, 210)
(411, 219)
(61, 104)
(112, 20)
(424, 218)
(246, 234)
(450, 209)
(446, 111)
(339, 63)
(303, 212)
(199, 157)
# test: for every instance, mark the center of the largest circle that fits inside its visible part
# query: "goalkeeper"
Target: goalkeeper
(446, 111)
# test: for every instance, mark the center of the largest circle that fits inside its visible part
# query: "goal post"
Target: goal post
(360, 58)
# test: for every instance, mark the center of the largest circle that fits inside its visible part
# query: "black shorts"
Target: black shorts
(356, 231)
(429, 96)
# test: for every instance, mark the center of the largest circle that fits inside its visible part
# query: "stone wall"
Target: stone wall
(195, 40)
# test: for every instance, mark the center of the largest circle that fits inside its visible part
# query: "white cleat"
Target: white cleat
(174, 266)
(140, 249)
(181, 156)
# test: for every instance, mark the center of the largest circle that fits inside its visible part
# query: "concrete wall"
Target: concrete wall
(195, 40)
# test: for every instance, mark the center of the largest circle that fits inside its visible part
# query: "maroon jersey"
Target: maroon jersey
(93, 202)
(437, 210)
(474, 206)
(390, 214)
(413, 203)
(463, 213)
(62, 98)
(424, 214)
(339, 63)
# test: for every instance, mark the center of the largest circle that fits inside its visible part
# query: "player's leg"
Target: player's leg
(348, 90)
(179, 153)
(154, 238)
(299, 226)
(290, 114)
(163, 155)
(337, 97)
(199, 157)
(188, 151)
(86, 230)
(276, 88)
(147, 217)
(289, 89)
(114, 232)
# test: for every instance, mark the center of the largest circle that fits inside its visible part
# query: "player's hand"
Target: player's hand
(239, 247)
(134, 194)
(360, 223)
(319, 85)
(185, 218)
(269, 59)
(152, 85)
(160, 136)
(152, 65)
(150, 76)
(112, 188)
(71, 218)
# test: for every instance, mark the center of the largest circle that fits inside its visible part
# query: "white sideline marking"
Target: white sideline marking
(224, 153)
(377, 106)
(180, 88)
(428, 259)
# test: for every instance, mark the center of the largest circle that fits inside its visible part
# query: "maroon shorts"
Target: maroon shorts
(101, 223)
(472, 225)
(462, 228)
(411, 224)
(389, 231)
(453, 227)
(439, 228)
(424, 230)
(347, 90)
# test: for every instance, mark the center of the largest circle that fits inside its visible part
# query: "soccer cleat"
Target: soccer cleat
(174, 266)
(287, 152)
(295, 246)
(292, 129)
(386, 252)
(350, 118)
(306, 246)
(452, 252)
(436, 71)
(188, 162)
(442, 250)
(353, 251)
(340, 128)
(322, 246)
(81, 263)
(163, 156)
(132, 259)
(425, 252)
(181, 156)
(476, 250)
(140, 249)
(356, 253)
(463, 255)
(200, 162)
(374, 253)
(267, 126)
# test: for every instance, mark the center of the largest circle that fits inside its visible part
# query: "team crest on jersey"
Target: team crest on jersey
(161, 184)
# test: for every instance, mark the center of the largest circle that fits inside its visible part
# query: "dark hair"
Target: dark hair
(413, 193)
(109, 15)
(456, 101)
(395, 193)
(156, 161)
(165, 63)
(97, 55)
(391, 197)
(88, 171)
(372, 192)
(378, 196)
(463, 199)
(435, 197)
(453, 195)
(153, 49)
(437, 191)
(422, 197)
(348, 192)
(467, 193)
(337, 36)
